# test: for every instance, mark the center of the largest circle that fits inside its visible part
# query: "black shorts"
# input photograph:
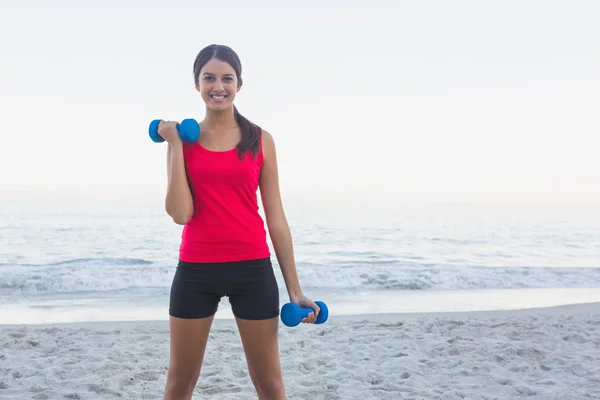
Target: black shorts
(251, 287)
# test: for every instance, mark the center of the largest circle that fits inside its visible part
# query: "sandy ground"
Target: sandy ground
(550, 353)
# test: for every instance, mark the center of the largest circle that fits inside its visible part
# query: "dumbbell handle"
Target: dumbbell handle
(188, 129)
(305, 311)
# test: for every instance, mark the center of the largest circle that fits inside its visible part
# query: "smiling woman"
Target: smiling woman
(218, 78)
(212, 190)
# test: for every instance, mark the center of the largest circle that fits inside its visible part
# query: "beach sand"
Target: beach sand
(549, 353)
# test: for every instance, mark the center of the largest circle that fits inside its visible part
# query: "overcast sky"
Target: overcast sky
(418, 100)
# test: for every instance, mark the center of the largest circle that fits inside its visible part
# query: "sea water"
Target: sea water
(79, 261)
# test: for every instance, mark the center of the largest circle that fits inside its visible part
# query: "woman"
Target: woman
(212, 190)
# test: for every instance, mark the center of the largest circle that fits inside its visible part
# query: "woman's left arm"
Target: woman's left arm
(278, 227)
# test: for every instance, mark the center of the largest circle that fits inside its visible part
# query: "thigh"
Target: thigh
(188, 344)
(254, 294)
(194, 293)
(261, 346)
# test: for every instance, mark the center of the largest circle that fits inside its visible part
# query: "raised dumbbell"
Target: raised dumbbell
(292, 313)
(189, 130)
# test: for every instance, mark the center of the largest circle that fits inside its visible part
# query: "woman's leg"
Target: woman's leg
(261, 345)
(193, 302)
(188, 343)
(255, 304)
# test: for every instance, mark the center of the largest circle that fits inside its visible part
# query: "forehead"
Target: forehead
(217, 67)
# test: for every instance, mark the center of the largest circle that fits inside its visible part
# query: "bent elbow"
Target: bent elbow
(181, 220)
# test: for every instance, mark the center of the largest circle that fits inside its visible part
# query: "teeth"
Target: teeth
(218, 97)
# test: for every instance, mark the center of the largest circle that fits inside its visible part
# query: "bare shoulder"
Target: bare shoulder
(268, 144)
(267, 138)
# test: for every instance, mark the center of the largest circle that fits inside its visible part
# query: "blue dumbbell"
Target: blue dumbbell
(189, 130)
(292, 314)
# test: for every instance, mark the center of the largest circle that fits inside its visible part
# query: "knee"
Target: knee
(269, 388)
(180, 386)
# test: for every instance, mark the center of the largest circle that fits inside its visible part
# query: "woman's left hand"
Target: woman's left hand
(305, 302)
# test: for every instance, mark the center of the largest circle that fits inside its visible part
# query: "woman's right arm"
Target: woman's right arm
(179, 203)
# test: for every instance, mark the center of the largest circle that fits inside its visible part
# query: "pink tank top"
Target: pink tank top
(226, 225)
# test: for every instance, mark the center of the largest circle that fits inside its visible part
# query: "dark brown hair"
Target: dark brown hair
(250, 132)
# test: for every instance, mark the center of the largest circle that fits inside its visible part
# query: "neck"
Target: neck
(218, 120)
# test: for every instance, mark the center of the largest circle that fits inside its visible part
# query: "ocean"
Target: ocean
(80, 261)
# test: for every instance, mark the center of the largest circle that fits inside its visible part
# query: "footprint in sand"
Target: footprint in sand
(525, 391)
(239, 373)
(575, 338)
(93, 387)
(147, 376)
(44, 396)
(505, 381)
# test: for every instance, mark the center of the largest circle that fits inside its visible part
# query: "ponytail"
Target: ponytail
(250, 133)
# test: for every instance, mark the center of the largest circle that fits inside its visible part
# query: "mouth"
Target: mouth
(218, 98)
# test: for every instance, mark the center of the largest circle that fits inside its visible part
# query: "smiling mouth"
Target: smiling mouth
(218, 98)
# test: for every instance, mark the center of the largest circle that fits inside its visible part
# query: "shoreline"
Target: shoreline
(344, 305)
(566, 309)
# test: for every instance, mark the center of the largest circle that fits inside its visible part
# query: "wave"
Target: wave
(89, 261)
(110, 274)
(81, 275)
(387, 276)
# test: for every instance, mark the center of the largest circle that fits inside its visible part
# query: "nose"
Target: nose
(219, 85)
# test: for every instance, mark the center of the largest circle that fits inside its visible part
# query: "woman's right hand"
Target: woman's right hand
(168, 131)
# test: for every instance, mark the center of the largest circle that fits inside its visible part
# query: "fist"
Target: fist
(168, 131)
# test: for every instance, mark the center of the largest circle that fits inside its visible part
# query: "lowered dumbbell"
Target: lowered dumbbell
(292, 313)
(189, 130)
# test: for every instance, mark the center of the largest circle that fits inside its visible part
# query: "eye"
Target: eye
(207, 78)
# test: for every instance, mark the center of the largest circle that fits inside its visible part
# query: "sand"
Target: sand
(550, 353)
